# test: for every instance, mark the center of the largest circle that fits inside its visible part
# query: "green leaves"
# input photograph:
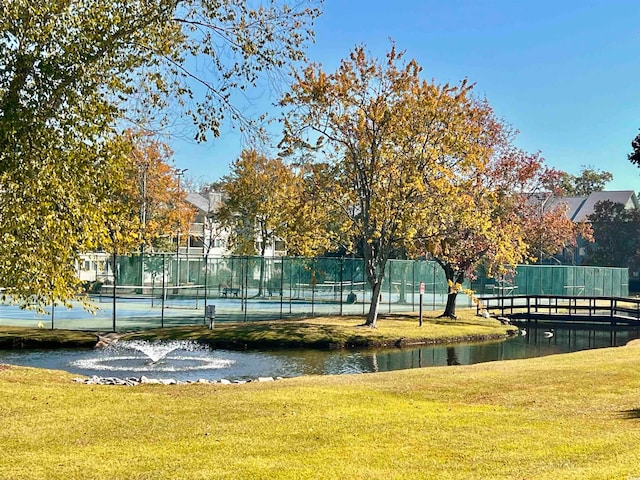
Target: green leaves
(73, 74)
(412, 166)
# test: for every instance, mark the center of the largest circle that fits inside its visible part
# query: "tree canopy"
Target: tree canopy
(589, 180)
(253, 209)
(404, 163)
(73, 74)
(634, 156)
(156, 193)
(616, 232)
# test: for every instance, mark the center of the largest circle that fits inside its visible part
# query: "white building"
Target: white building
(208, 237)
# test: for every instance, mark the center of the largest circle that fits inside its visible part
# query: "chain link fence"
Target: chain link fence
(157, 290)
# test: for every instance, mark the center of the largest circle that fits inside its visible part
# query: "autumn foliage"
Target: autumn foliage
(407, 165)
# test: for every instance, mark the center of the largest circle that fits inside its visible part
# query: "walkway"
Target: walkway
(613, 310)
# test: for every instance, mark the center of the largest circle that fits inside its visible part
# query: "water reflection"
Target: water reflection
(291, 363)
(452, 356)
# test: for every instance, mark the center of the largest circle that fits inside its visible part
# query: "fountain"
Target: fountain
(156, 351)
(140, 356)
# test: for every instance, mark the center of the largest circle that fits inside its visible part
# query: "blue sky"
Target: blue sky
(566, 74)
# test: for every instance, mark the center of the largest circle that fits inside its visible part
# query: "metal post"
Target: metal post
(210, 312)
(290, 284)
(281, 283)
(341, 282)
(246, 288)
(241, 283)
(390, 282)
(114, 290)
(421, 295)
(206, 271)
(164, 290)
(313, 287)
(364, 289)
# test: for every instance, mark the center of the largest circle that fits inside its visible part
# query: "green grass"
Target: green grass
(315, 332)
(20, 337)
(338, 332)
(571, 416)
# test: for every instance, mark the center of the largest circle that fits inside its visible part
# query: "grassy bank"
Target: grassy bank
(19, 337)
(572, 416)
(316, 332)
(337, 332)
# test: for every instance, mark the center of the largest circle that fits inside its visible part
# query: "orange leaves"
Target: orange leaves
(415, 165)
(263, 196)
(546, 227)
(146, 200)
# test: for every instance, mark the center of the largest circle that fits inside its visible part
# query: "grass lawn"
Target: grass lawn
(571, 416)
(338, 332)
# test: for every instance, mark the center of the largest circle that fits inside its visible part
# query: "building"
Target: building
(208, 237)
(578, 210)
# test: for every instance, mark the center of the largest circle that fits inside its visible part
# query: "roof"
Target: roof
(197, 200)
(573, 205)
(625, 197)
(579, 208)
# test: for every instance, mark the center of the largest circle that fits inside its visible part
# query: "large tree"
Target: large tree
(499, 222)
(253, 209)
(251, 206)
(589, 180)
(156, 193)
(389, 144)
(616, 233)
(548, 230)
(73, 72)
(484, 226)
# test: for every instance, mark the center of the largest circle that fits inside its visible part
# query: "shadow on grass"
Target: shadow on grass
(633, 414)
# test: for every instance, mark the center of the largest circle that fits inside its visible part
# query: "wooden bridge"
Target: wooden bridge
(597, 309)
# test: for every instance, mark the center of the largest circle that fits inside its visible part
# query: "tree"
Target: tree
(588, 181)
(634, 157)
(253, 209)
(388, 145)
(500, 222)
(73, 73)
(489, 226)
(616, 233)
(51, 209)
(156, 192)
(548, 230)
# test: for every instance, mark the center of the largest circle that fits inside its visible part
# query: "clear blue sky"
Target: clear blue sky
(566, 73)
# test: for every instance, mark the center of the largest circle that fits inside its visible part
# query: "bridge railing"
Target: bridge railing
(583, 308)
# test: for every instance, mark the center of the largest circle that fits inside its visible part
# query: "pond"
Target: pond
(190, 361)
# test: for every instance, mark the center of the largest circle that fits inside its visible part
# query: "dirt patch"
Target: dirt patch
(633, 343)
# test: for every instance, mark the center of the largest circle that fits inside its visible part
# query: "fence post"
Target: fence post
(164, 290)
(115, 269)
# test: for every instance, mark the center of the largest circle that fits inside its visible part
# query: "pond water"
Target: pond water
(189, 361)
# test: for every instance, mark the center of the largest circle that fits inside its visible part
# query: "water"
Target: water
(187, 360)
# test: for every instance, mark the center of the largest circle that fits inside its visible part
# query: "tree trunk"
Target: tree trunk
(450, 309)
(372, 316)
(261, 281)
(454, 277)
(263, 250)
(403, 283)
